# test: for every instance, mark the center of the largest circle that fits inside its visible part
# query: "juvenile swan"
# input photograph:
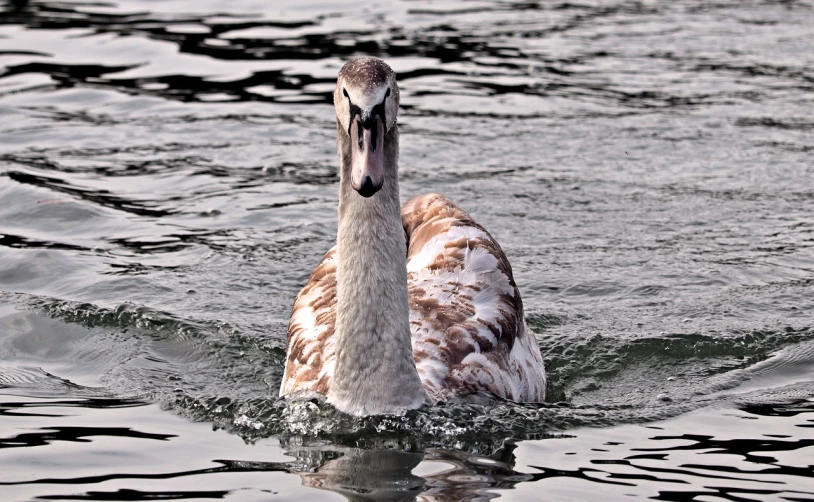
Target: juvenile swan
(415, 304)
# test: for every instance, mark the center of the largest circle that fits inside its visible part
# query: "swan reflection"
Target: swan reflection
(404, 472)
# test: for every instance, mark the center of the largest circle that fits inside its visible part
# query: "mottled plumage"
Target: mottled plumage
(466, 315)
(415, 304)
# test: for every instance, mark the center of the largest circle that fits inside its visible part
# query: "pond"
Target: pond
(168, 180)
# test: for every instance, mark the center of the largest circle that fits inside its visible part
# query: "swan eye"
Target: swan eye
(345, 92)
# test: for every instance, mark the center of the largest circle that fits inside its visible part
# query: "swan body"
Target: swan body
(416, 303)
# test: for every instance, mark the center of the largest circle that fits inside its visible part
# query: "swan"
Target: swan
(415, 304)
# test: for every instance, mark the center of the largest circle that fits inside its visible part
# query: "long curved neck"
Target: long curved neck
(375, 373)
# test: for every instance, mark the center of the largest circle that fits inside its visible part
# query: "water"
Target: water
(168, 181)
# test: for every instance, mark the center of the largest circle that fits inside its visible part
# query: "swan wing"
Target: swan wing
(468, 330)
(310, 345)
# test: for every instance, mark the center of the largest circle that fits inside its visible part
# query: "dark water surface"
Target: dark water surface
(168, 181)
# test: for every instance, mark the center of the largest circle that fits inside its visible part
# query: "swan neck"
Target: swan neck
(375, 373)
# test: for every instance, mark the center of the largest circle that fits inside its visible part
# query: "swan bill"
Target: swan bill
(367, 155)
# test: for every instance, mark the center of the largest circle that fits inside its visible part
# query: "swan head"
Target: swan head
(366, 99)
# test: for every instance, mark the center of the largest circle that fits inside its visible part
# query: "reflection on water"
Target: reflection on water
(168, 181)
(363, 474)
(190, 461)
(390, 474)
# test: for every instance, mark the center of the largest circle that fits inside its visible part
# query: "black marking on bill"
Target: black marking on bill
(368, 120)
